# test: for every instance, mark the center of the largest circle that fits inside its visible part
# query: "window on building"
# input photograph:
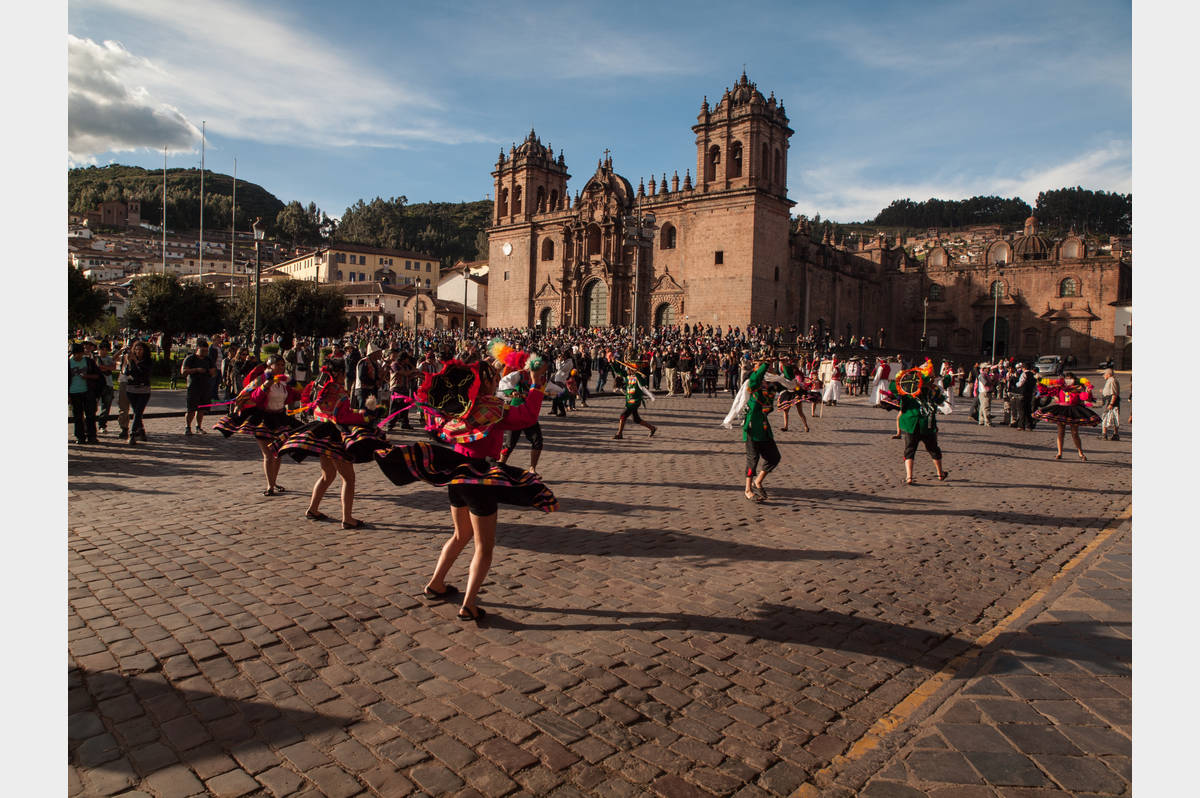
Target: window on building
(408, 264)
(339, 275)
(766, 162)
(935, 292)
(666, 237)
(719, 257)
(997, 288)
(353, 277)
(554, 199)
(502, 203)
(362, 301)
(516, 201)
(1064, 340)
(548, 249)
(593, 240)
(776, 274)
(540, 204)
(428, 267)
(506, 275)
(1068, 287)
(735, 159)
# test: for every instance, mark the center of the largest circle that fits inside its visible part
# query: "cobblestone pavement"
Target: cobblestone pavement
(1049, 713)
(660, 635)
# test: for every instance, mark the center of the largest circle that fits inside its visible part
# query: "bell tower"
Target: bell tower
(743, 142)
(529, 181)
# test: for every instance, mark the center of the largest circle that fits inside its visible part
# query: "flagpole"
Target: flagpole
(164, 252)
(201, 280)
(233, 228)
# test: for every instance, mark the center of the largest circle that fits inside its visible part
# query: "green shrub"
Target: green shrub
(270, 349)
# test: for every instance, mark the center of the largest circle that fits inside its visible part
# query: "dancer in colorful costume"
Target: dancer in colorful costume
(260, 409)
(520, 372)
(636, 395)
(756, 398)
(338, 435)
(788, 398)
(879, 380)
(1070, 408)
(921, 398)
(465, 411)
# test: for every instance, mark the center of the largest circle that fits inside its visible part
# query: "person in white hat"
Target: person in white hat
(366, 376)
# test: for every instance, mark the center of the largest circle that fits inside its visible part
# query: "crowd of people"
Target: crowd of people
(476, 396)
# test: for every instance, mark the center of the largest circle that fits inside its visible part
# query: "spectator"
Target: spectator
(135, 382)
(199, 370)
(82, 389)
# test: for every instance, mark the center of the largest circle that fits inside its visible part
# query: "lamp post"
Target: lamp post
(638, 229)
(466, 276)
(925, 322)
(258, 236)
(997, 287)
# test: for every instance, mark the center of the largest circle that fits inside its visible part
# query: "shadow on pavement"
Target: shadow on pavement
(656, 543)
(192, 725)
(1053, 647)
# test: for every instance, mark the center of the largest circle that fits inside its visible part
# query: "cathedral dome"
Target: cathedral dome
(1031, 247)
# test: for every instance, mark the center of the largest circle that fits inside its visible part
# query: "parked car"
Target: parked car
(1049, 364)
(1105, 364)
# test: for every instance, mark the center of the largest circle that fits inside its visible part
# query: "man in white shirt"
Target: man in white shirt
(983, 389)
(1111, 411)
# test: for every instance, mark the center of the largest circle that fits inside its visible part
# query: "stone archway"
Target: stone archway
(664, 315)
(546, 318)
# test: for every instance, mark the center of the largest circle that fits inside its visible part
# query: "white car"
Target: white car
(1049, 364)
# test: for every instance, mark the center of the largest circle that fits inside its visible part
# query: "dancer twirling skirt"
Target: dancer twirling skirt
(1069, 409)
(465, 411)
(340, 436)
(260, 409)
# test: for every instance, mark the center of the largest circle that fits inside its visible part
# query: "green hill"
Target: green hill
(88, 187)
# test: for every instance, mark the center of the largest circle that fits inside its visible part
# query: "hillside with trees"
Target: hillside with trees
(452, 231)
(1089, 212)
(88, 187)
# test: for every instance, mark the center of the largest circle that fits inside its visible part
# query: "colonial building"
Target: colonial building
(355, 263)
(466, 282)
(1039, 296)
(721, 251)
(384, 305)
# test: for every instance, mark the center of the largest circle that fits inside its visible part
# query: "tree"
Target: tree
(292, 307)
(85, 302)
(161, 303)
(297, 224)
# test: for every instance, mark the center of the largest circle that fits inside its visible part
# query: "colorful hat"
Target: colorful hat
(453, 394)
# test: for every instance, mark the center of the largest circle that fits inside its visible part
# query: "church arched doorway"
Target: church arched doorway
(664, 315)
(544, 318)
(595, 304)
(1001, 327)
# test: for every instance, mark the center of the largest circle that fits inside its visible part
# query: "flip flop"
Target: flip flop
(477, 615)
(450, 590)
(358, 524)
(311, 516)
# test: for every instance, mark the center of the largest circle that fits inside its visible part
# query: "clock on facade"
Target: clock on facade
(506, 248)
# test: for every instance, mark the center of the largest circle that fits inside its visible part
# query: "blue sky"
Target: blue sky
(332, 102)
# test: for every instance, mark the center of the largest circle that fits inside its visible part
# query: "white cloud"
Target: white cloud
(845, 192)
(265, 78)
(105, 113)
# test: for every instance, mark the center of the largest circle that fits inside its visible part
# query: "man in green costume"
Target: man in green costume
(756, 432)
(918, 416)
(635, 396)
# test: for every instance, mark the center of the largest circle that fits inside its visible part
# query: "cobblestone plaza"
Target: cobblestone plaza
(660, 635)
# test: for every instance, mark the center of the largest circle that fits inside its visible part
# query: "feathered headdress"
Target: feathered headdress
(511, 359)
(453, 395)
(926, 368)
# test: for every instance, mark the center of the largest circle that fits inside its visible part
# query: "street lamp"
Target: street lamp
(258, 236)
(466, 276)
(925, 321)
(638, 229)
(997, 287)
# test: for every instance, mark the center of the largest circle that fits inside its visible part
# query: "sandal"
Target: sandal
(1058, 456)
(311, 516)
(1082, 457)
(450, 590)
(754, 497)
(475, 614)
(897, 436)
(942, 476)
(909, 481)
(269, 492)
(358, 524)
(761, 491)
(279, 489)
(617, 437)
(652, 431)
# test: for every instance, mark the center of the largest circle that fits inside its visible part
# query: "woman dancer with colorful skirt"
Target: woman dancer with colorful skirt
(789, 399)
(466, 412)
(1069, 409)
(260, 409)
(812, 392)
(338, 435)
(921, 397)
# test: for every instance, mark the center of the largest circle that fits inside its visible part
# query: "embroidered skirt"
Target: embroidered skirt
(1068, 414)
(262, 424)
(440, 466)
(353, 443)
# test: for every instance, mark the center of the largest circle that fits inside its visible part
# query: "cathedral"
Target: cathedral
(719, 249)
